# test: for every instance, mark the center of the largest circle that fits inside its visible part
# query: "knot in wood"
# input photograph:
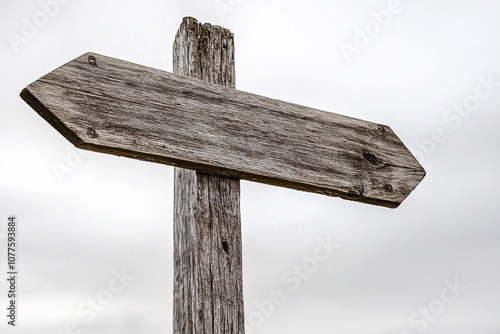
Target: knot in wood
(371, 158)
(354, 193)
(225, 246)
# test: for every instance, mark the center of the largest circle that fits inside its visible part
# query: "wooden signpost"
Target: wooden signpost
(197, 121)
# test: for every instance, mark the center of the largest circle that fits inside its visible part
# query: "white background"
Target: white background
(389, 273)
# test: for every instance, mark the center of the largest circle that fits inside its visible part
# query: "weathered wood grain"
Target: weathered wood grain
(113, 106)
(208, 278)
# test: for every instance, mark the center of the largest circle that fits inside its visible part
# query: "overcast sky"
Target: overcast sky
(95, 231)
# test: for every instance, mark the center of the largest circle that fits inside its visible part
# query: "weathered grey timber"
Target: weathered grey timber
(208, 279)
(113, 106)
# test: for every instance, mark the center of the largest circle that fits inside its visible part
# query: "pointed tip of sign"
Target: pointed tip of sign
(30, 98)
(421, 173)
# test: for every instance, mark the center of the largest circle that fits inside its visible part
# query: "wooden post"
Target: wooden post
(208, 279)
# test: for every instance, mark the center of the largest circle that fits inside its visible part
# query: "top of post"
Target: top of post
(205, 52)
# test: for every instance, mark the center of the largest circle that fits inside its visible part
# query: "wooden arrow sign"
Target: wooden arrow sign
(113, 106)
